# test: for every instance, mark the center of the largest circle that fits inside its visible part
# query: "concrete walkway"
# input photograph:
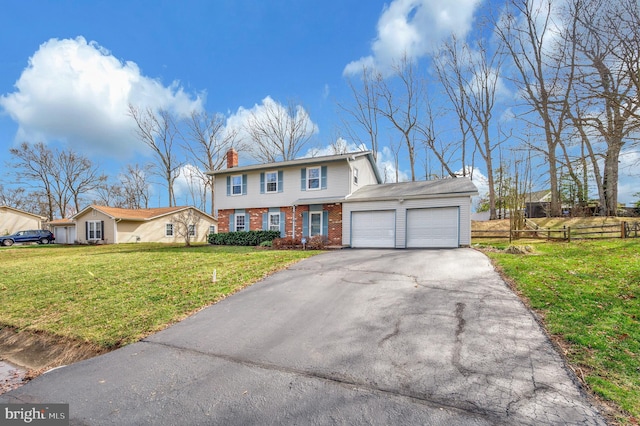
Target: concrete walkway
(347, 337)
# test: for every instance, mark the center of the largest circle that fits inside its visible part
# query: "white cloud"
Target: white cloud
(340, 146)
(77, 92)
(189, 186)
(414, 28)
(387, 167)
(269, 111)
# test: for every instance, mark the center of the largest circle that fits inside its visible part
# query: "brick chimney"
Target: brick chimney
(232, 158)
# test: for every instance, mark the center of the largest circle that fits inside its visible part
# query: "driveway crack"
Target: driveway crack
(344, 380)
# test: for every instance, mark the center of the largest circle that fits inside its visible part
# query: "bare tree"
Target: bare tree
(427, 134)
(33, 164)
(158, 131)
(61, 176)
(606, 103)
(208, 142)
(540, 53)
(13, 197)
(449, 68)
(110, 194)
(365, 111)
(403, 109)
(186, 225)
(80, 175)
(471, 82)
(135, 186)
(279, 132)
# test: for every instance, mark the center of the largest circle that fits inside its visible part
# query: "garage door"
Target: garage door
(436, 227)
(373, 229)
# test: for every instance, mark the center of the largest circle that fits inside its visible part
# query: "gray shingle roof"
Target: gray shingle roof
(419, 189)
(300, 161)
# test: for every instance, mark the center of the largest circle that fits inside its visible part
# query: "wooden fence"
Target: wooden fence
(566, 233)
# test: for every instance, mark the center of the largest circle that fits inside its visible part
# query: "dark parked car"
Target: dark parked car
(39, 236)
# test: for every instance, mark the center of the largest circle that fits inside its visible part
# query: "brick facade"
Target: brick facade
(254, 220)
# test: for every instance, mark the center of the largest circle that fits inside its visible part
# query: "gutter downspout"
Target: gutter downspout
(293, 235)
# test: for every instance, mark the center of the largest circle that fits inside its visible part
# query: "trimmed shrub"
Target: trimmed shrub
(243, 238)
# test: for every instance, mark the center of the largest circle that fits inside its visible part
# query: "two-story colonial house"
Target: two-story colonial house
(299, 197)
(342, 198)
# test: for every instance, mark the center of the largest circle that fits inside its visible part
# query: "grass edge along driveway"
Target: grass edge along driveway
(588, 296)
(112, 295)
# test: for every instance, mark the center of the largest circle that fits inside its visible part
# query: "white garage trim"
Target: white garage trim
(373, 229)
(433, 227)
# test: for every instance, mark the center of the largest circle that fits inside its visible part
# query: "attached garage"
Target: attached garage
(425, 214)
(433, 227)
(373, 229)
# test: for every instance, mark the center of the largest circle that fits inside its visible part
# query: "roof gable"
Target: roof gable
(137, 214)
(22, 212)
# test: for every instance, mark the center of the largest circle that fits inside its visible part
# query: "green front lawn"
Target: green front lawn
(588, 294)
(112, 295)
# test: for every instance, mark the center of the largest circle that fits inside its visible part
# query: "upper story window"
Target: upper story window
(271, 182)
(313, 178)
(236, 185)
(355, 175)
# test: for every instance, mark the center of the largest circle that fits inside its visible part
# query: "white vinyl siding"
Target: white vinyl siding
(338, 185)
(373, 229)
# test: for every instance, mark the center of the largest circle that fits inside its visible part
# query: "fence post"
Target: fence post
(623, 230)
(568, 234)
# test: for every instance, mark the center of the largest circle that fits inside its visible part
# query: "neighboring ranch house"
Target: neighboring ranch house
(112, 225)
(342, 198)
(13, 220)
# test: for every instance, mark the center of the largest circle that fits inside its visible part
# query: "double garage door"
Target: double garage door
(425, 228)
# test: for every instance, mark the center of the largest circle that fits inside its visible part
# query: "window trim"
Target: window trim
(233, 185)
(269, 224)
(311, 214)
(309, 178)
(244, 222)
(97, 230)
(168, 233)
(355, 176)
(266, 182)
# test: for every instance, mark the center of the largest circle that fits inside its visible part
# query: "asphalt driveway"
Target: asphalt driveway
(347, 337)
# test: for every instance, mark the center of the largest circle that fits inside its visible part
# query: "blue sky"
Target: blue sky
(69, 68)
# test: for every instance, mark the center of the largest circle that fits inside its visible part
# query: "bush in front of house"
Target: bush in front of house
(243, 238)
(286, 243)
